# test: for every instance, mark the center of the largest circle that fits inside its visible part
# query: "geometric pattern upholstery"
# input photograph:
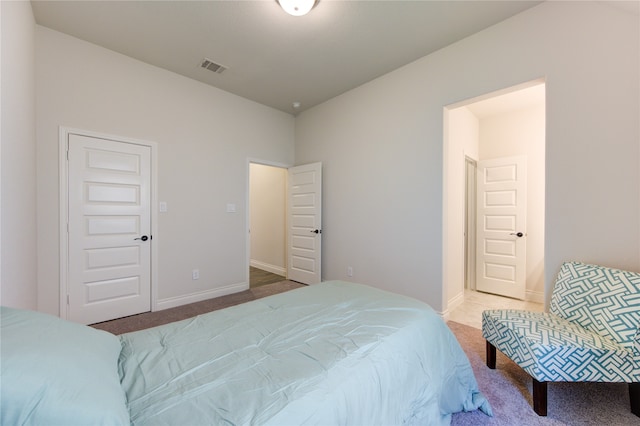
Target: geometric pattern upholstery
(603, 300)
(592, 332)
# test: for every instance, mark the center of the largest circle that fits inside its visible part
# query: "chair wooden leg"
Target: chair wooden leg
(540, 388)
(634, 396)
(540, 397)
(491, 356)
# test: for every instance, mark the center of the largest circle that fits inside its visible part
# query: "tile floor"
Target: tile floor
(470, 311)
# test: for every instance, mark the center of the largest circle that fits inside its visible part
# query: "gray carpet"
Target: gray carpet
(152, 319)
(507, 388)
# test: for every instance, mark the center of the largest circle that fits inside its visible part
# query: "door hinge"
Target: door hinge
(68, 300)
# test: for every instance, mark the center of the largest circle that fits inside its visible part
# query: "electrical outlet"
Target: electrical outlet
(195, 274)
(349, 271)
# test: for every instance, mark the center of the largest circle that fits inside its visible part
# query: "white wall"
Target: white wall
(462, 132)
(267, 199)
(382, 147)
(204, 138)
(521, 132)
(18, 165)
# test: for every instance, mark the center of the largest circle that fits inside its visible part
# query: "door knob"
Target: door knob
(143, 238)
(316, 231)
(517, 234)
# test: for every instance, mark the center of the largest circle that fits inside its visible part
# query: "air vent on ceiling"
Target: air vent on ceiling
(212, 66)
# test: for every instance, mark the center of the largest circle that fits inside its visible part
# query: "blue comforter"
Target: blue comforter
(328, 354)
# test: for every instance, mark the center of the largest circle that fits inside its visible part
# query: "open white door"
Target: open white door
(501, 226)
(109, 225)
(305, 223)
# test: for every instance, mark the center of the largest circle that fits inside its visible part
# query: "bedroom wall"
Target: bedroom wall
(203, 140)
(18, 275)
(462, 131)
(267, 199)
(382, 147)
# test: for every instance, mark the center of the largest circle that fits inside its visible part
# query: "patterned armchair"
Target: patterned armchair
(591, 333)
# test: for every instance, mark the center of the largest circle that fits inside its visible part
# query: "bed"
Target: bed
(332, 353)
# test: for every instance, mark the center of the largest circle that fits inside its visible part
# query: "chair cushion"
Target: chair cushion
(603, 300)
(551, 348)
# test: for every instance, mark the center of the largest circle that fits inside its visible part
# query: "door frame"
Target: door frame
(251, 160)
(63, 186)
(470, 222)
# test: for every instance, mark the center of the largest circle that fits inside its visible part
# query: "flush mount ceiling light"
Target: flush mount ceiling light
(297, 7)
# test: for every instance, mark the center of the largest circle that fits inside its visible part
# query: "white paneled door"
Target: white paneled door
(109, 225)
(305, 223)
(501, 226)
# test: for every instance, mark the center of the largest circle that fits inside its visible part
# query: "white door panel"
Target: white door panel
(305, 223)
(501, 226)
(109, 211)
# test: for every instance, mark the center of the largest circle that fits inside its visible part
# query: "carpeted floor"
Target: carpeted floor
(507, 388)
(152, 319)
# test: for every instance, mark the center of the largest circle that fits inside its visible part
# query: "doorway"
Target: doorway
(507, 123)
(284, 220)
(267, 224)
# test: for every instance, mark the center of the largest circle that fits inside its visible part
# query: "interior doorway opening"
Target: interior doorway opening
(267, 224)
(502, 124)
(284, 220)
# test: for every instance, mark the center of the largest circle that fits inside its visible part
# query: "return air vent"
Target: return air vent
(212, 66)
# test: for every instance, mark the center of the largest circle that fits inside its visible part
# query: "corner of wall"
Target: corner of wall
(18, 160)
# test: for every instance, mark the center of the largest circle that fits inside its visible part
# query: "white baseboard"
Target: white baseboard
(274, 269)
(456, 301)
(452, 304)
(172, 302)
(534, 296)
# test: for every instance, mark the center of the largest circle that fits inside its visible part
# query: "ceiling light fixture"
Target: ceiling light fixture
(297, 7)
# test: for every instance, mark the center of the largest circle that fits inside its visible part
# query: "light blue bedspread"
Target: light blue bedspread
(329, 354)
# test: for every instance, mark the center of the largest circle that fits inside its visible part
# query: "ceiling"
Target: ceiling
(271, 57)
